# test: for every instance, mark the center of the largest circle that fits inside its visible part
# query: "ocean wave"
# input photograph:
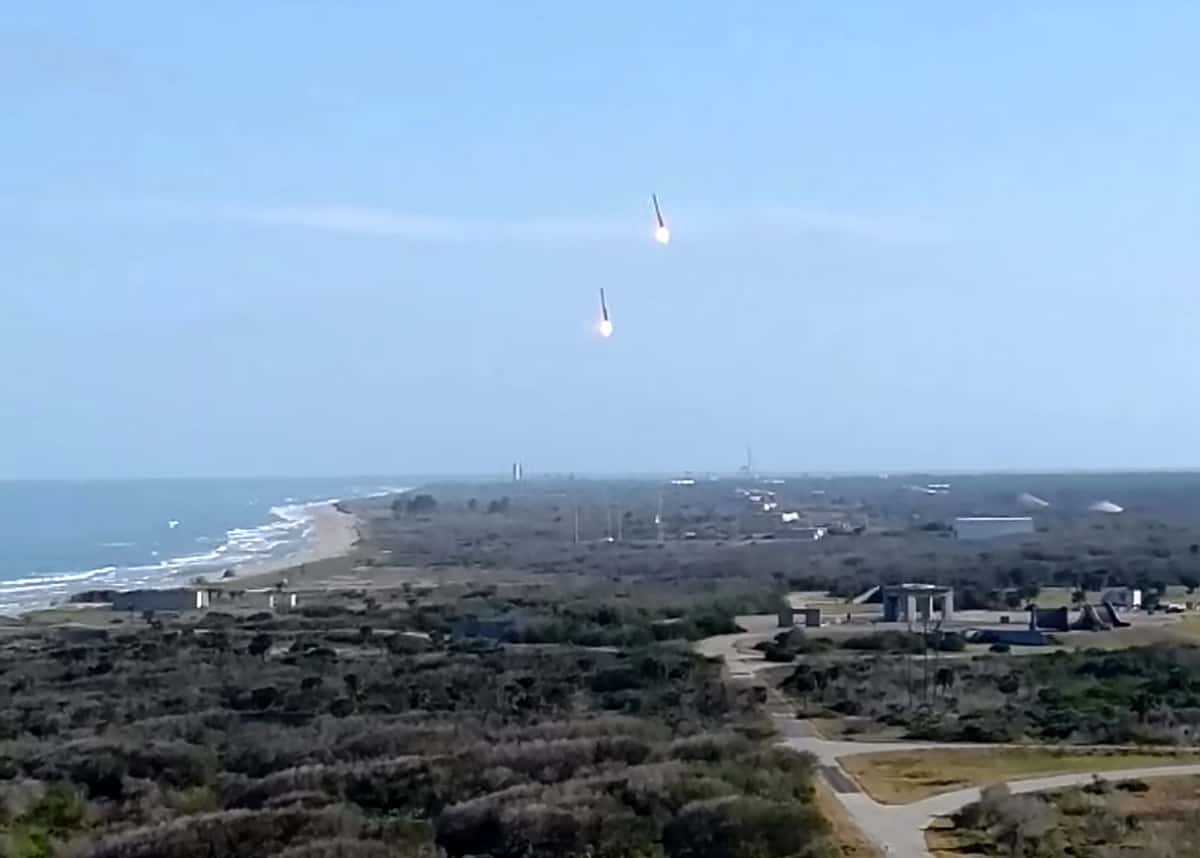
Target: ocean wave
(57, 578)
(385, 491)
(288, 528)
(117, 544)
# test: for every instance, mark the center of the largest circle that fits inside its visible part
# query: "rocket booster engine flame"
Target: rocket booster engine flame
(606, 326)
(662, 233)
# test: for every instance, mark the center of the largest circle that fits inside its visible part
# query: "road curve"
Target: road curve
(900, 829)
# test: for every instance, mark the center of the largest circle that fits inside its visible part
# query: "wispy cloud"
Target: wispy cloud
(403, 225)
(711, 224)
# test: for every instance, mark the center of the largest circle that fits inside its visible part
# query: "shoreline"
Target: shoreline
(335, 533)
(332, 535)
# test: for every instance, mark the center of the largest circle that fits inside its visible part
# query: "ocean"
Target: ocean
(62, 537)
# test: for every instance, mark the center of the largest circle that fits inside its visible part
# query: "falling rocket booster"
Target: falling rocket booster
(606, 325)
(662, 234)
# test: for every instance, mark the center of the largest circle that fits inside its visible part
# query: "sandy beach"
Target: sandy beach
(335, 533)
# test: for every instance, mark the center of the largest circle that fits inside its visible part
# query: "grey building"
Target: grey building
(171, 599)
(906, 603)
(992, 526)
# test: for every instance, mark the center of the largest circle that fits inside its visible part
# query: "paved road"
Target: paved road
(899, 830)
(902, 827)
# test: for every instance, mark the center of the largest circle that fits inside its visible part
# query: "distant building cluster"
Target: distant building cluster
(992, 526)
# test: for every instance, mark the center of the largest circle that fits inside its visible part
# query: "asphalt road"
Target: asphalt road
(899, 829)
(902, 828)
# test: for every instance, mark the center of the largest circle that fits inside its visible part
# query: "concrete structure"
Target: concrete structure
(173, 599)
(1011, 637)
(282, 601)
(812, 618)
(787, 617)
(1112, 617)
(810, 534)
(992, 527)
(473, 627)
(1055, 619)
(1123, 597)
(870, 596)
(917, 602)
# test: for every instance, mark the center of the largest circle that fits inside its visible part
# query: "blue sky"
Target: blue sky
(316, 238)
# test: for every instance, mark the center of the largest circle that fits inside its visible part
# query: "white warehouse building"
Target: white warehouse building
(992, 526)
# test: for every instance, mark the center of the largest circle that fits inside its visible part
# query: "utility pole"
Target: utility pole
(908, 676)
(925, 654)
(576, 524)
(620, 524)
(658, 519)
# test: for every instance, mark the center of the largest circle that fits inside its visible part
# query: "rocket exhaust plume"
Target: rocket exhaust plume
(662, 234)
(606, 325)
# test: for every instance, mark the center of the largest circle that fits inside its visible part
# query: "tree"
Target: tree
(802, 683)
(1013, 599)
(499, 507)
(1022, 823)
(264, 697)
(744, 828)
(421, 505)
(1191, 582)
(1095, 581)
(943, 680)
(472, 505)
(341, 707)
(821, 678)
(260, 645)
(1142, 703)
